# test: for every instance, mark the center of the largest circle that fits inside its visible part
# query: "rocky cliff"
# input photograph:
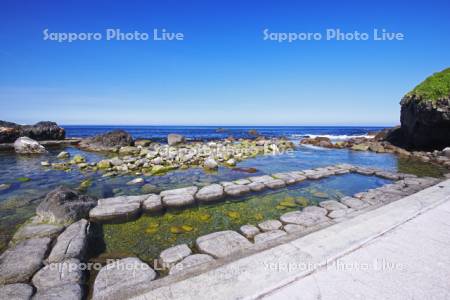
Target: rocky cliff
(9, 132)
(425, 115)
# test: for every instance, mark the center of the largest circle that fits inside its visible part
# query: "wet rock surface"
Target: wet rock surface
(64, 205)
(72, 243)
(30, 253)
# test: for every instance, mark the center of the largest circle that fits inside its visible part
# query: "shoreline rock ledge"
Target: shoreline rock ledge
(425, 115)
(41, 131)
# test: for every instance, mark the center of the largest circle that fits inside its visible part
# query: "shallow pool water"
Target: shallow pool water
(147, 236)
(29, 182)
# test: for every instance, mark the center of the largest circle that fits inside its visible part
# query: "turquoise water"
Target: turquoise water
(29, 181)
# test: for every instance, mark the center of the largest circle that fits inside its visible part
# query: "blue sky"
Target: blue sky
(223, 72)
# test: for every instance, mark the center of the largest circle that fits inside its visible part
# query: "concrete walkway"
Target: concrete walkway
(410, 262)
(398, 251)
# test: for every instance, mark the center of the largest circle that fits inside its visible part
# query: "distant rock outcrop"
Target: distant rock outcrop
(108, 141)
(41, 131)
(425, 116)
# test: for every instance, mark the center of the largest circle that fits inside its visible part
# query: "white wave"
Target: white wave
(333, 137)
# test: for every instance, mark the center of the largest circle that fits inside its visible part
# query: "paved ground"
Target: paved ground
(410, 262)
(398, 251)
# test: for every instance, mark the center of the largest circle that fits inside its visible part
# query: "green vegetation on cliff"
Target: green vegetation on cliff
(435, 87)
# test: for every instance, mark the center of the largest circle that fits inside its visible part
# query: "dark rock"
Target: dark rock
(9, 131)
(108, 141)
(245, 170)
(64, 205)
(319, 141)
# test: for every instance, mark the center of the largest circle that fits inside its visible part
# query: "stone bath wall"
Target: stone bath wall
(46, 261)
(216, 247)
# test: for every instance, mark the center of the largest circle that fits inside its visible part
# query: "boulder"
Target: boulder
(236, 190)
(179, 197)
(174, 139)
(9, 132)
(152, 204)
(354, 203)
(121, 278)
(108, 141)
(331, 205)
(25, 145)
(293, 228)
(270, 225)
(268, 236)
(63, 155)
(210, 164)
(190, 262)
(34, 230)
(256, 186)
(222, 243)
(67, 292)
(174, 254)
(64, 205)
(249, 231)
(57, 274)
(17, 291)
(20, 262)
(122, 208)
(446, 152)
(72, 243)
(303, 218)
(210, 193)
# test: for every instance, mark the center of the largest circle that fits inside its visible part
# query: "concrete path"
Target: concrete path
(410, 262)
(398, 251)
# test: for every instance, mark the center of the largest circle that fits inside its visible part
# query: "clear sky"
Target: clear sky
(223, 72)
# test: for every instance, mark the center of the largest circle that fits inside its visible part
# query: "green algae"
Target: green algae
(23, 179)
(419, 168)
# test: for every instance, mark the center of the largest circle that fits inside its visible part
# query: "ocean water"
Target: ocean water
(159, 133)
(28, 182)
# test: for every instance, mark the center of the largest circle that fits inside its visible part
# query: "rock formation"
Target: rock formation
(108, 141)
(425, 115)
(9, 131)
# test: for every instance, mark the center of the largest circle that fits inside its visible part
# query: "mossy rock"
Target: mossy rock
(104, 164)
(233, 214)
(23, 179)
(288, 202)
(78, 159)
(302, 201)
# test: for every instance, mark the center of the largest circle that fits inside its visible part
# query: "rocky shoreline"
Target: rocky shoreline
(150, 158)
(53, 245)
(378, 144)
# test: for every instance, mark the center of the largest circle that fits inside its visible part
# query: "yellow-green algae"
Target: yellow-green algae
(147, 236)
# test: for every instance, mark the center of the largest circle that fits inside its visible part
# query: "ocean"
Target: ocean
(159, 133)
